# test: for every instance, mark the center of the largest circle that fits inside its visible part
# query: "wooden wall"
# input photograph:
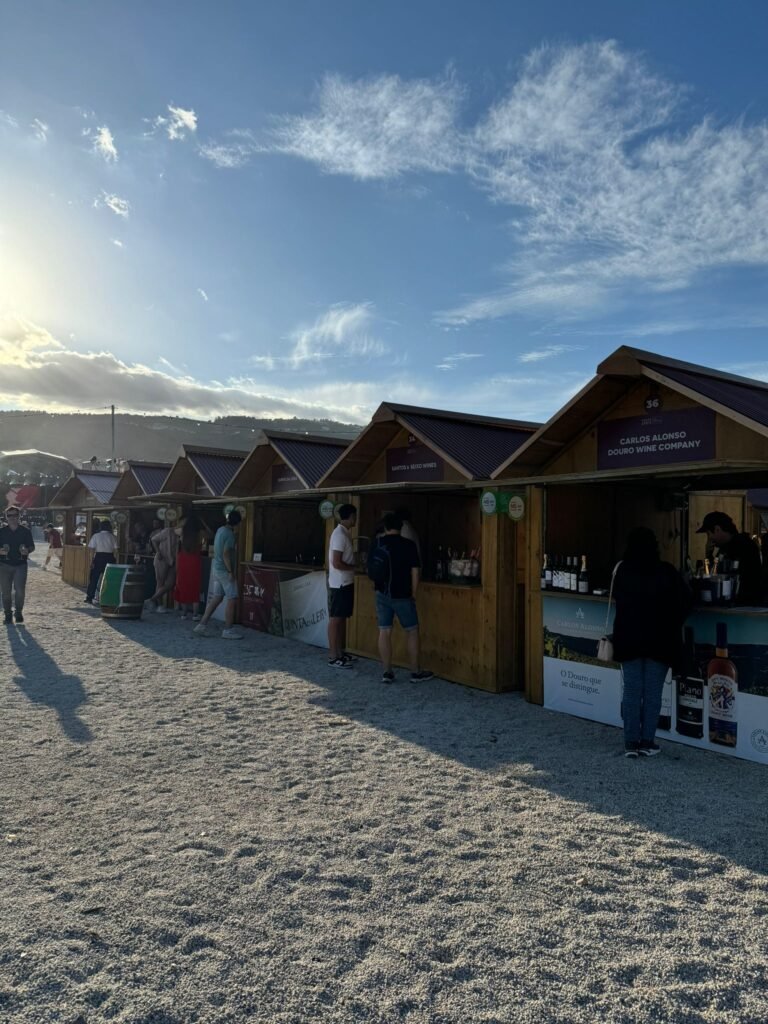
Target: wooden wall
(377, 472)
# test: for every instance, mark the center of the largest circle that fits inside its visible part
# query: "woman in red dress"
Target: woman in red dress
(189, 566)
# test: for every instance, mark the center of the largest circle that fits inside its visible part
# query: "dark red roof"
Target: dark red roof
(310, 459)
(215, 470)
(479, 447)
(746, 398)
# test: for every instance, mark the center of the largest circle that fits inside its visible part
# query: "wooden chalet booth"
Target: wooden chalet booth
(282, 548)
(431, 463)
(199, 473)
(649, 442)
(85, 497)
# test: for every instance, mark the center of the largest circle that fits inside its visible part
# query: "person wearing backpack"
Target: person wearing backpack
(395, 568)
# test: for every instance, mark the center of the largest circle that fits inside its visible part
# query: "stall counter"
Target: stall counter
(576, 683)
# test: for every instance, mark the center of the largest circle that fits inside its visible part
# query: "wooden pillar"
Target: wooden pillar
(534, 641)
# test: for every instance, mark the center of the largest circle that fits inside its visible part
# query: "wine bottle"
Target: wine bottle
(546, 574)
(555, 572)
(573, 577)
(583, 576)
(690, 693)
(439, 564)
(723, 692)
(665, 712)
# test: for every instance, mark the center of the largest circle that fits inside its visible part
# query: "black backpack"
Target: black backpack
(380, 566)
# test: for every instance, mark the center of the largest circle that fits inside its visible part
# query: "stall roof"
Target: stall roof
(310, 457)
(215, 467)
(320, 493)
(100, 485)
(739, 398)
(150, 476)
(473, 445)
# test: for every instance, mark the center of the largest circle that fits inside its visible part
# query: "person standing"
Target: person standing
(16, 544)
(165, 544)
(54, 544)
(224, 578)
(409, 530)
(189, 566)
(723, 534)
(652, 603)
(103, 545)
(341, 586)
(395, 568)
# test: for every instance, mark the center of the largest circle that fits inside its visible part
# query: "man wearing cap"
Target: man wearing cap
(16, 544)
(723, 534)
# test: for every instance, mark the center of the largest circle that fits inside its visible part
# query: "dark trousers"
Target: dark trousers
(100, 559)
(13, 583)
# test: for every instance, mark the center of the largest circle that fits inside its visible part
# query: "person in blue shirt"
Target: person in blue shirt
(224, 578)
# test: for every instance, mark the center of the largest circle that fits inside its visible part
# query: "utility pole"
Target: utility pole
(113, 437)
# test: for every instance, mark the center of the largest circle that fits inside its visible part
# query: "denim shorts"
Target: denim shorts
(223, 585)
(403, 607)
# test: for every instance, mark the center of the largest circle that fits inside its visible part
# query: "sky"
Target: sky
(294, 208)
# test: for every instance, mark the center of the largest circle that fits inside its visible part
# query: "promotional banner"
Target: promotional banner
(305, 608)
(656, 439)
(719, 703)
(261, 601)
(284, 479)
(416, 462)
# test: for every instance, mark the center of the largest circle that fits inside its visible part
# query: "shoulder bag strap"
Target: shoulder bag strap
(610, 596)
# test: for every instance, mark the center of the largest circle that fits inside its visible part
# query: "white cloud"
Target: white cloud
(118, 243)
(452, 361)
(343, 330)
(104, 144)
(39, 130)
(8, 120)
(178, 124)
(231, 154)
(203, 294)
(119, 206)
(376, 128)
(548, 352)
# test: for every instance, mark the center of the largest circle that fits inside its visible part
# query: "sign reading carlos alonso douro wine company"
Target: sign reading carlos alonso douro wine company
(657, 439)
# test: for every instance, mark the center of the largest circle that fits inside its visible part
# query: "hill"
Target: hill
(79, 436)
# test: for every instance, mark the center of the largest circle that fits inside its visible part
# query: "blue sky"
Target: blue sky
(304, 208)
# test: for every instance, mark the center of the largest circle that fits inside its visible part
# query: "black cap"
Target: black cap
(713, 519)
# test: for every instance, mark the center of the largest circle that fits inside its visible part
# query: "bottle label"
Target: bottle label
(583, 587)
(722, 698)
(690, 694)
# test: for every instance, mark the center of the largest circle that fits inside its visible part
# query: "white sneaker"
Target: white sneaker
(196, 617)
(231, 634)
(161, 609)
(201, 630)
(184, 615)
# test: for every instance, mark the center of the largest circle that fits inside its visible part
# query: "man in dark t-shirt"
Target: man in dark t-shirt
(396, 598)
(16, 544)
(723, 534)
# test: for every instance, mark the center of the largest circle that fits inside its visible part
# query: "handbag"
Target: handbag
(605, 643)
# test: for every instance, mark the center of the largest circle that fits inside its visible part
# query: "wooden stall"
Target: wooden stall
(652, 442)
(85, 497)
(430, 463)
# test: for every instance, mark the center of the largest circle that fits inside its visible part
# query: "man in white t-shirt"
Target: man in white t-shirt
(341, 586)
(103, 545)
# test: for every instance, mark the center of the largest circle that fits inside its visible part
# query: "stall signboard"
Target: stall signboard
(304, 603)
(656, 439)
(504, 503)
(260, 602)
(284, 479)
(576, 683)
(414, 463)
(488, 503)
(327, 508)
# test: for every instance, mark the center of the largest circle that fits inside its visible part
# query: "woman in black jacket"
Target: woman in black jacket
(652, 603)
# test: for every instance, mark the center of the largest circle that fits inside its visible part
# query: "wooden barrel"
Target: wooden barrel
(122, 592)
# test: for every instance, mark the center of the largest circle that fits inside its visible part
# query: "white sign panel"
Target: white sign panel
(305, 608)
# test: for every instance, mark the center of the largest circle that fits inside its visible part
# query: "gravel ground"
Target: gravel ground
(196, 830)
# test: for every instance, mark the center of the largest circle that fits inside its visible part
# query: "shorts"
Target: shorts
(223, 585)
(403, 607)
(341, 601)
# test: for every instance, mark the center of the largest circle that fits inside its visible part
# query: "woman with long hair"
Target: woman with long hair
(189, 566)
(652, 603)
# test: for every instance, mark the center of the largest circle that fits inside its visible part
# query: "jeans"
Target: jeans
(100, 560)
(643, 686)
(13, 578)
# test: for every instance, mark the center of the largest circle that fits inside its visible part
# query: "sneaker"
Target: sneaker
(200, 629)
(161, 609)
(231, 634)
(649, 749)
(196, 617)
(8, 620)
(388, 677)
(631, 750)
(421, 677)
(184, 615)
(19, 617)
(88, 600)
(348, 657)
(339, 663)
